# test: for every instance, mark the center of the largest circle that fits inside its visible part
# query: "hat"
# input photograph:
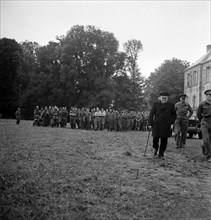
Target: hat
(164, 94)
(182, 95)
(206, 91)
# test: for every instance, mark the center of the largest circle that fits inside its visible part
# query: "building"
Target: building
(197, 79)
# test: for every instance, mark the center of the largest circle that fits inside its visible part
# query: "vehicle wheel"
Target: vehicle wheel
(200, 135)
(190, 135)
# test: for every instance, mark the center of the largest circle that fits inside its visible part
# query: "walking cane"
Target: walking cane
(147, 144)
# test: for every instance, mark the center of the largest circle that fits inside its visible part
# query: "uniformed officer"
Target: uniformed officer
(204, 116)
(184, 112)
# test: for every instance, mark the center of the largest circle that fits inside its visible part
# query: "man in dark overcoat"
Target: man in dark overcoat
(161, 119)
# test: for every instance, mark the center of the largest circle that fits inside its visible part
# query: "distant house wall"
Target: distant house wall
(197, 79)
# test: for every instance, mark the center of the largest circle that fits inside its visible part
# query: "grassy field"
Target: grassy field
(61, 173)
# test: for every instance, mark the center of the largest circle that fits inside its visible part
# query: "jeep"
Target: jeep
(194, 128)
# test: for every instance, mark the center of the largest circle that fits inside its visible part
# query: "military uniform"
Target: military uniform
(45, 117)
(103, 115)
(184, 112)
(97, 119)
(204, 115)
(18, 116)
(72, 114)
(138, 121)
(37, 117)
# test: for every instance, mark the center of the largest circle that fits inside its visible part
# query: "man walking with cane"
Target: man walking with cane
(161, 119)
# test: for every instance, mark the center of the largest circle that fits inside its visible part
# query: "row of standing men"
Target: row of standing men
(91, 119)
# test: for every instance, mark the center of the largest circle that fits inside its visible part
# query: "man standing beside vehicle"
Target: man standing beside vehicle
(204, 116)
(161, 120)
(184, 112)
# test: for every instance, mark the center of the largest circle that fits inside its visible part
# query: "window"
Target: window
(189, 80)
(207, 75)
(195, 77)
(192, 78)
(194, 102)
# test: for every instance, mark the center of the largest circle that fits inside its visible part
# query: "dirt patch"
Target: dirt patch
(61, 173)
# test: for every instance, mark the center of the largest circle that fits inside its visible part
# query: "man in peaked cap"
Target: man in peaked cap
(207, 91)
(204, 116)
(184, 112)
(161, 119)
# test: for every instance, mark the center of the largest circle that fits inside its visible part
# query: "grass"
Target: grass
(61, 173)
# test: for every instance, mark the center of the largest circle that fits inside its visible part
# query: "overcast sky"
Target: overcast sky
(167, 29)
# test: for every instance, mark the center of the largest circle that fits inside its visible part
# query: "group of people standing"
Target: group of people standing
(165, 116)
(91, 119)
(50, 116)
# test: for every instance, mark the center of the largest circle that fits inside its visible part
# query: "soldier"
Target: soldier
(103, 115)
(73, 112)
(78, 117)
(18, 116)
(45, 116)
(37, 116)
(130, 120)
(204, 116)
(82, 118)
(110, 120)
(133, 118)
(50, 112)
(145, 121)
(119, 121)
(138, 121)
(88, 117)
(106, 119)
(92, 118)
(161, 119)
(115, 118)
(55, 116)
(63, 117)
(124, 120)
(184, 112)
(97, 119)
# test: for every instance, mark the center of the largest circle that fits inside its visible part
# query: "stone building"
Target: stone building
(197, 79)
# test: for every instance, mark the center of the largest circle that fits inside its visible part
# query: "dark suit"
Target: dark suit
(160, 118)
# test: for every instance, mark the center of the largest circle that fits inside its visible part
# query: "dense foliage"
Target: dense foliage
(10, 75)
(167, 77)
(84, 68)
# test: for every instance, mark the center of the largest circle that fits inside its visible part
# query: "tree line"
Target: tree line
(82, 68)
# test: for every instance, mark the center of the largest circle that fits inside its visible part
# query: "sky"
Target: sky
(166, 29)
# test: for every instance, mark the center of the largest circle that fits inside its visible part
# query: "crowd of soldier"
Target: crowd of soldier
(91, 119)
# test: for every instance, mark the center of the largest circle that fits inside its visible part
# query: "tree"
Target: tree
(135, 93)
(10, 80)
(132, 49)
(44, 87)
(88, 58)
(168, 77)
(30, 50)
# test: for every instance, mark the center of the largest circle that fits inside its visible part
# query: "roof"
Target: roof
(205, 58)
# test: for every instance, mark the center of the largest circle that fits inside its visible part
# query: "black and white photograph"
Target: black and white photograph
(105, 110)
